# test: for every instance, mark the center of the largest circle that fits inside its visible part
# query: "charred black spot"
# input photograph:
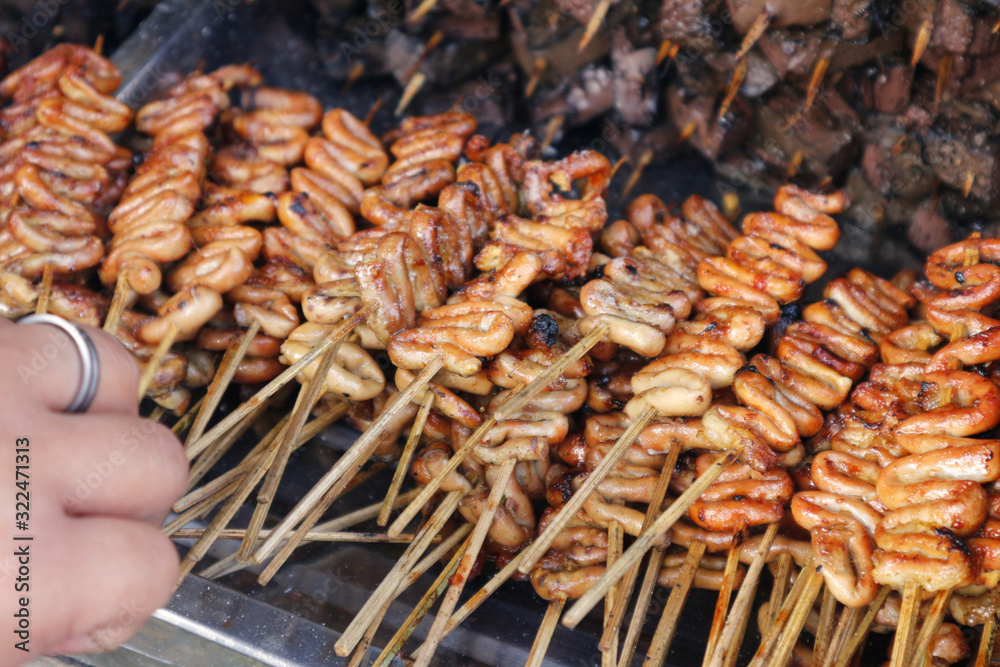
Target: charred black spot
(712, 327)
(546, 327)
(926, 386)
(660, 216)
(31, 145)
(867, 334)
(632, 269)
(956, 544)
(598, 272)
(739, 497)
(960, 277)
(748, 369)
(297, 208)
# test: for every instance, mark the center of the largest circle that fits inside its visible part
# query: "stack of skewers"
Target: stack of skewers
(573, 398)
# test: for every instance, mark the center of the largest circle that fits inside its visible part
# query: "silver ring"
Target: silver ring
(88, 358)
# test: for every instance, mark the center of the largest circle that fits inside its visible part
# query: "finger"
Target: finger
(48, 367)
(111, 464)
(102, 580)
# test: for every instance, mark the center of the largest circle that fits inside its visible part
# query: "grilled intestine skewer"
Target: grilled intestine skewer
(60, 172)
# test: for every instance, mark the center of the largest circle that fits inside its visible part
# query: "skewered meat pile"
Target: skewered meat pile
(894, 101)
(540, 354)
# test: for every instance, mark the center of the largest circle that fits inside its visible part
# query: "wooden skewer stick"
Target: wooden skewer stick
(422, 10)
(944, 73)
(374, 110)
(861, 632)
(755, 32)
(361, 652)
(823, 633)
(545, 631)
(728, 645)
(357, 71)
(781, 579)
(212, 455)
(201, 508)
(310, 393)
(432, 42)
(399, 639)
(845, 624)
(794, 164)
(312, 536)
(633, 178)
(596, 18)
(272, 387)
(480, 596)
(234, 354)
(522, 397)
(569, 509)
(433, 486)
(45, 290)
(781, 618)
(814, 581)
(538, 68)
(908, 612)
(641, 606)
(153, 365)
(667, 626)
(663, 52)
(186, 418)
(336, 479)
(386, 590)
(970, 180)
(403, 465)
(625, 589)
(687, 132)
(930, 627)
(228, 565)
(123, 293)
(985, 651)
(616, 537)
(551, 130)
(922, 40)
(739, 74)
(725, 593)
(483, 525)
(645, 541)
(413, 87)
(817, 76)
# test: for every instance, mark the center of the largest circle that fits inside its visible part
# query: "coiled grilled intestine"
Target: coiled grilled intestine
(935, 495)
(842, 509)
(426, 149)
(58, 168)
(148, 225)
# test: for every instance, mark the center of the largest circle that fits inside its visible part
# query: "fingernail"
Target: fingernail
(77, 645)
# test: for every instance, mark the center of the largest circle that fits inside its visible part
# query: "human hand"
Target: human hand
(97, 487)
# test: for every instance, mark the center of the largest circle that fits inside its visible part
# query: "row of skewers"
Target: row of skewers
(893, 488)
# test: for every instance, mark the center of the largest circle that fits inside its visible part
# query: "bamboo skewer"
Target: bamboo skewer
(635, 552)
(654, 509)
(755, 32)
(667, 626)
(186, 418)
(433, 486)
(845, 624)
(312, 391)
(544, 541)
(312, 536)
(729, 641)
(596, 18)
(399, 639)
(813, 577)
(352, 460)
(218, 448)
(545, 631)
(231, 359)
(725, 593)
(791, 617)
(45, 290)
(615, 538)
(640, 166)
(272, 387)
(861, 631)
(413, 87)
(985, 651)
(123, 292)
(739, 74)
(823, 633)
(901, 646)
(781, 577)
(483, 525)
(930, 626)
(403, 465)
(641, 606)
(153, 365)
(385, 591)
(522, 397)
